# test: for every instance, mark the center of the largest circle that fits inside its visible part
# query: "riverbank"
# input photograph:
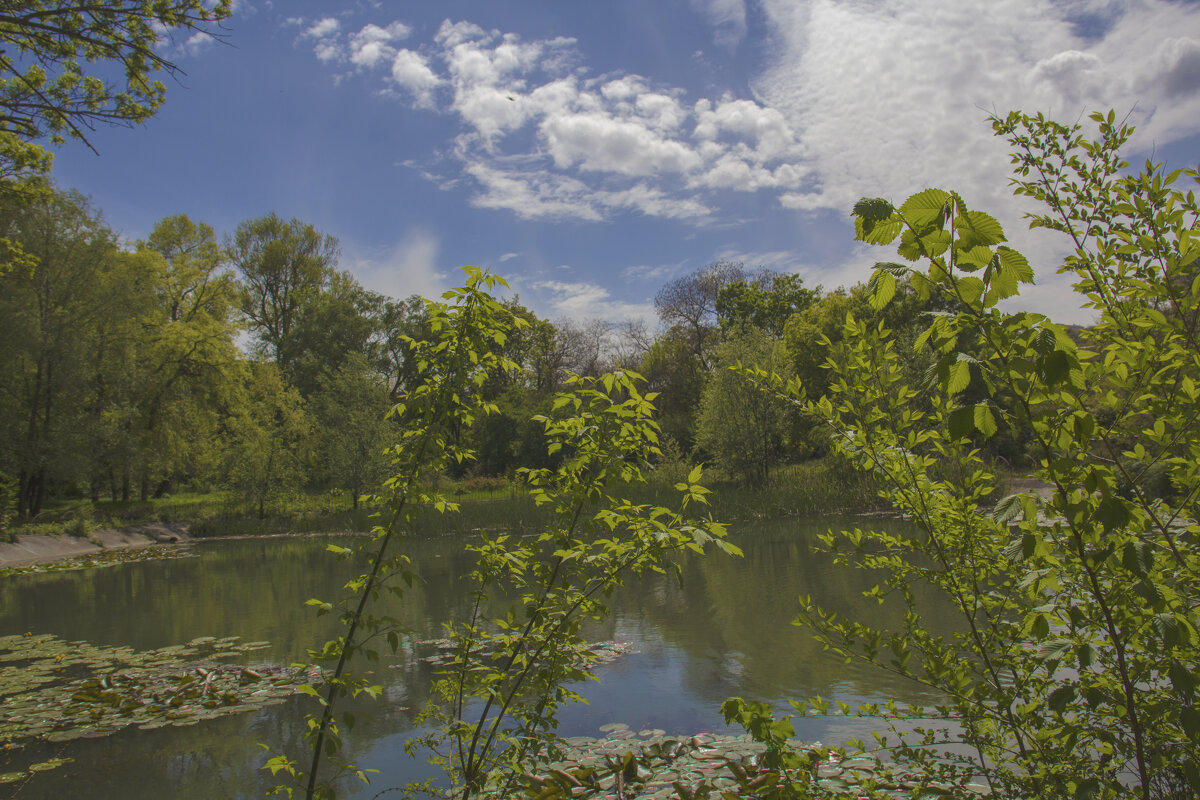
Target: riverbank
(48, 548)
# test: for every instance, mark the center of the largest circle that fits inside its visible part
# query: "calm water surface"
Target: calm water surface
(724, 632)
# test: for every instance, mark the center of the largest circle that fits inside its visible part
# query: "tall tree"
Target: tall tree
(766, 301)
(690, 304)
(269, 435)
(743, 429)
(348, 408)
(282, 264)
(333, 323)
(188, 358)
(47, 317)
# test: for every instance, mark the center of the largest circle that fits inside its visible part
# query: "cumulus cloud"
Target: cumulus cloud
(858, 99)
(887, 100)
(372, 44)
(322, 29)
(544, 140)
(411, 71)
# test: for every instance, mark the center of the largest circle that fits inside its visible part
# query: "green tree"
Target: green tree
(187, 363)
(677, 376)
(349, 409)
(270, 435)
(743, 431)
(332, 324)
(1074, 671)
(767, 301)
(49, 318)
(283, 265)
(57, 63)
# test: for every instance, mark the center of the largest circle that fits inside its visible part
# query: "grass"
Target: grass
(808, 488)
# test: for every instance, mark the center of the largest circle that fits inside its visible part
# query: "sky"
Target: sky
(589, 152)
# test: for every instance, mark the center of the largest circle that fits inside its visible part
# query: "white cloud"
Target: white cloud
(322, 29)
(373, 44)
(410, 70)
(583, 300)
(727, 17)
(545, 141)
(889, 98)
(507, 257)
(410, 267)
(858, 99)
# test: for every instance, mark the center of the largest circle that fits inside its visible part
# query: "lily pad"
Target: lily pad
(58, 691)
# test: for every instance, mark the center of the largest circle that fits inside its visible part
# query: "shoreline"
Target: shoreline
(48, 548)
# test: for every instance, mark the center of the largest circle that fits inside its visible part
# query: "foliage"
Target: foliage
(444, 398)
(743, 431)
(766, 303)
(690, 304)
(349, 407)
(56, 61)
(50, 318)
(1073, 674)
(52, 45)
(271, 433)
(513, 667)
(283, 265)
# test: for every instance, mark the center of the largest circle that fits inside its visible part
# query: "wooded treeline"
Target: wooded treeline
(250, 361)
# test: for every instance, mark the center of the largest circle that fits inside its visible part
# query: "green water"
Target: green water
(725, 631)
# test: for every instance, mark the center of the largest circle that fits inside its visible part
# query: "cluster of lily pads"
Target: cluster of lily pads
(56, 691)
(104, 558)
(651, 766)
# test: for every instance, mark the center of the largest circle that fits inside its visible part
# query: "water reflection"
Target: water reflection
(725, 630)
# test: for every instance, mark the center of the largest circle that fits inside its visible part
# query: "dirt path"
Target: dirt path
(44, 549)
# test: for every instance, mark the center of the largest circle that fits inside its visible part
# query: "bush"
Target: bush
(1074, 674)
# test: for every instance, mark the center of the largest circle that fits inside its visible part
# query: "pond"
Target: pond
(725, 631)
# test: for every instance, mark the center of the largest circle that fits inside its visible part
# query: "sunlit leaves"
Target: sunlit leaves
(1096, 569)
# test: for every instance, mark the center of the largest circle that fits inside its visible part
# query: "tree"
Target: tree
(181, 365)
(333, 323)
(349, 407)
(743, 431)
(57, 58)
(675, 374)
(1074, 671)
(51, 81)
(766, 302)
(270, 434)
(283, 265)
(49, 318)
(690, 304)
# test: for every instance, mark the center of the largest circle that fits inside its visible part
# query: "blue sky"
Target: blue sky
(591, 151)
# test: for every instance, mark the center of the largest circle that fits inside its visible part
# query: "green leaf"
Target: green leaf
(882, 288)
(1053, 649)
(1061, 697)
(1136, 556)
(924, 208)
(1189, 720)
(873, 221)
(1113, 515)
(985, 423)
(962, 422)
(959, 376)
